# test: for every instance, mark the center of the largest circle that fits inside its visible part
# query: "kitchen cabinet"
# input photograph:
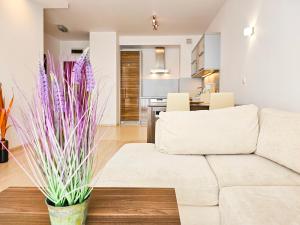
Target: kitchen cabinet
(206, 56)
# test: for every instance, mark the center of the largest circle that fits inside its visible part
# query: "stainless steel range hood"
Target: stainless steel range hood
(160, 67)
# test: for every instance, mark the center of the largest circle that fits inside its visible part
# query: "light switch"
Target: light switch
(244, 81)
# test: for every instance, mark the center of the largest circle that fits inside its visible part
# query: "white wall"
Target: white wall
(52, 47)
(21, 44)
(67, 46)
(61, 50)
(185, 49)
(172, 57)
(268, 61)
(104, 53)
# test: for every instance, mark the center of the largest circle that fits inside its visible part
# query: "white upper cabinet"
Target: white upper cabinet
(206, 55)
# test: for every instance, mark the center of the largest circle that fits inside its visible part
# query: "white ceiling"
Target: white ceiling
(131, 17)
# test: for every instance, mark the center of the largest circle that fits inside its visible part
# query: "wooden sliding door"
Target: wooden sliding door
(130, 85)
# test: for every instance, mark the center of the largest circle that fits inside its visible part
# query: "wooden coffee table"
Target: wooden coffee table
(110, 206)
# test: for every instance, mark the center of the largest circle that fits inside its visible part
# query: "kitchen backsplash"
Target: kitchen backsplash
(158, 87)
(190, 85)
(161, 87)
(212, 81)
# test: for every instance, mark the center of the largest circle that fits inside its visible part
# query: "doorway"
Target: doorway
(130, 86)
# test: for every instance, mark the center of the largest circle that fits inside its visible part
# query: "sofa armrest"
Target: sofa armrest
(157, 132)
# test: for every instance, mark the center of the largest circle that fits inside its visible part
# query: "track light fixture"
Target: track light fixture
(154, 23)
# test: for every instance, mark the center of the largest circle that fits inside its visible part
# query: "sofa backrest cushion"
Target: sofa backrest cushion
(223, 131)
(279, 137)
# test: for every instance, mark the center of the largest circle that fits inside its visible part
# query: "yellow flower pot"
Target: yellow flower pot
(69, 215)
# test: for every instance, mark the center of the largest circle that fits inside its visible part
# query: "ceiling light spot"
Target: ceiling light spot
(62, 28)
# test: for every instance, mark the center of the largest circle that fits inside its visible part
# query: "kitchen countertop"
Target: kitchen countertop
(164, 104)
(152, 97)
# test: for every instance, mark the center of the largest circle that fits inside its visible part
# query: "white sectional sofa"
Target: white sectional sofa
(234, 166)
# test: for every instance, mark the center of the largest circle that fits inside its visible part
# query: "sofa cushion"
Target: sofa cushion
(223, 131)
(250, 170)
(199, 215)
(260, 205)
(140, 165)
(279, 138)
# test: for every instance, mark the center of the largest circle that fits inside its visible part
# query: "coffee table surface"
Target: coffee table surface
(112, 206)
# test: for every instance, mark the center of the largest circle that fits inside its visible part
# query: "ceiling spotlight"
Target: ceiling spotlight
(154, 23)
(62, 28)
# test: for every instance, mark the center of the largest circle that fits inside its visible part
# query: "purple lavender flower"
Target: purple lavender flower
(59, 102)
(77, 69)
(90, 81)
(60, 135)
(43, 85)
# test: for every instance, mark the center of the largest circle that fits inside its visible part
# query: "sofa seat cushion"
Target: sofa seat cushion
(199, 215)
(250, 170)
(141, 165)
(260, 205)
(279, 137)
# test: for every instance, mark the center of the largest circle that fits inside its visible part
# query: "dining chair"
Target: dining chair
(205, 98)
(221, 100)
(178, 102)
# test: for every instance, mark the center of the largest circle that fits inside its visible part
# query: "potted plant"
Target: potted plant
(58, 131)
(4, 114)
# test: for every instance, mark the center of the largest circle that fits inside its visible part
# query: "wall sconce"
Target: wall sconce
(248, 31)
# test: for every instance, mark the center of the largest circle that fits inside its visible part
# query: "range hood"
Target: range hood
(160, 61)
